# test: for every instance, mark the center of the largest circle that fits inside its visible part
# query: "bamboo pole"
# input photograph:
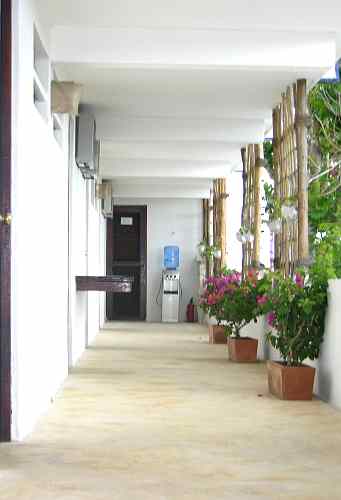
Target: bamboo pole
(219, 260)
(219, 221)
(285, 185)
(214, 211)
(277, 136)
(302, 165)
(203, 219)
(205, 209)
(216, 228)
(243, 214)
(223, 196)
(211, 227)
(206, 229)
(292, 177)
(257, 222)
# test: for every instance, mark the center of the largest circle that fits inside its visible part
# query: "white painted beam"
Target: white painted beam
(169, 150)
(196, 48)
(182, 92)
(294, 15)
(175, 129)
(161, 189)
(165, 169)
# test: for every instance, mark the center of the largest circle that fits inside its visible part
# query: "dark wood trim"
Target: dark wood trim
(109, 252)
(109, 257)
(142, 210)
(104, 284)
(5, 208)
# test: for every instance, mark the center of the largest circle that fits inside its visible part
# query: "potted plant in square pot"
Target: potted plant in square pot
(211, 301)
(244, 300)
(297, 321)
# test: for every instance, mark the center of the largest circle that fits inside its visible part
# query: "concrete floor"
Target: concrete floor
(153, 412)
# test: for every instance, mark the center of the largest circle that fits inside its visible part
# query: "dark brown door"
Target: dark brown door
(5, 220)
(127, 256)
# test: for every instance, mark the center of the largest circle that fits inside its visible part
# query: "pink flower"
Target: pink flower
(271, 318)
(262, 299)
(210, 300)
(299, 280)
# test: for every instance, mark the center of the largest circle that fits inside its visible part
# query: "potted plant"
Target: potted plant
(208, 251)
(211, 302)
(244, 235)
(243, 302)
(297, 320)
(272, 209)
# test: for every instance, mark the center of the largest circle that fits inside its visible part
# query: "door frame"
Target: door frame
(133, 209)
(5, 209)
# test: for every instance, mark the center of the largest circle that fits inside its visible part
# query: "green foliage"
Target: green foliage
(325, 107)
(327, 249)
(273, 205)
(235, 300)
(324, 202)
(239, 307)
(268, 157)
(324, 164)
(208, 250)
(298, 314)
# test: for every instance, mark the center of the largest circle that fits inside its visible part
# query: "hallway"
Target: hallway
(152, 412)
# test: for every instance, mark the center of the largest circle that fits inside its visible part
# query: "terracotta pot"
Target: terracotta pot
(243, 349)
(293, 383)
(217, 334)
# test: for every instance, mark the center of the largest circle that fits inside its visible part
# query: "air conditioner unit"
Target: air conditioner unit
(104, 192)
(87, 148)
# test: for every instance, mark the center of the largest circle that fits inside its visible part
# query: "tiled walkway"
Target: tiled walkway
(153, 412)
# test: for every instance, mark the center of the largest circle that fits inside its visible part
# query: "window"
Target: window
(41, 78)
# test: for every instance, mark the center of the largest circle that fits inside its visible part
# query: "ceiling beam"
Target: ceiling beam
(196, 48)
(161, 189)
(110, 169)
(176, 129)
(169, 150)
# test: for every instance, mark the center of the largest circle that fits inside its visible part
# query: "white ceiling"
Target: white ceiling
(182, 92)
(196, 14)
(178, 87)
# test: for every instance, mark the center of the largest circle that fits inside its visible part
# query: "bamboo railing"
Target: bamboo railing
(219, 221)
(252, 158)
(290, 162)
(206, 228)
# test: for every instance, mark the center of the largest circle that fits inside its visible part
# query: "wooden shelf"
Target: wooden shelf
(113, 284)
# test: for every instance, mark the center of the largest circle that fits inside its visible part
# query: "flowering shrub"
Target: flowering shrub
(211, 301)
(235, 300)
(298, 308)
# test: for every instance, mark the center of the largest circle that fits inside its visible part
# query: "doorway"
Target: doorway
(127, 256)
(5, 217)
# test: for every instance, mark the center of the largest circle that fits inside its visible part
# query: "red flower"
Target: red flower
(299, 280)
(262, 299)
(271, 319)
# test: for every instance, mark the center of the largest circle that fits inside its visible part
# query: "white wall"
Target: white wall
(87, 233)
(170, 222)
(50, 326)
(328, 379)
(39, 242)
(96, 262)
(78, 263)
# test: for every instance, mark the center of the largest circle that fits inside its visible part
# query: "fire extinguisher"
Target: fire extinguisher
(191, 311)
